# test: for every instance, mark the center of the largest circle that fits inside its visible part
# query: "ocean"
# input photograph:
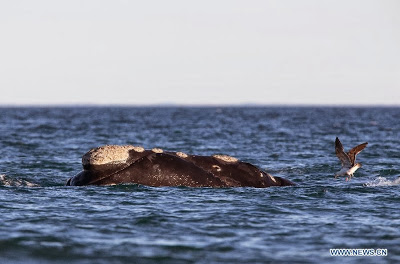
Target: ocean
(44, 221)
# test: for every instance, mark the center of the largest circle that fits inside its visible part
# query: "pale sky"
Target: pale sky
(199, 52)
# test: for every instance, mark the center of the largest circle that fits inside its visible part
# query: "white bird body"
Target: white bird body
(349, 172)
(349, 167)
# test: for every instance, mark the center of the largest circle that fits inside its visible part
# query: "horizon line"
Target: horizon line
(4, 105)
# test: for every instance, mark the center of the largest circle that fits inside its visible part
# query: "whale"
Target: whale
(126, 164)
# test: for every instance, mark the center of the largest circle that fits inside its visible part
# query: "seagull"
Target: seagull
(348, 159)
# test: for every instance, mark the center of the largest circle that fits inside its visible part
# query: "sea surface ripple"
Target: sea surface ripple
(43, 221)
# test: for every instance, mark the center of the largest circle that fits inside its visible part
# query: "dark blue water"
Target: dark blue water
(52, 223)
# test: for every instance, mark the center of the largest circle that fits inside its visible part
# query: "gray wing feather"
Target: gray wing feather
(354, 151)
(343, 157)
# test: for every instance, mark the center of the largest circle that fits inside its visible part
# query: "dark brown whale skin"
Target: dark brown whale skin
(169, 169)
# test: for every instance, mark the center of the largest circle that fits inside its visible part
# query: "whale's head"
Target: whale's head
(68, 183)
(101, 162)
(82, 178)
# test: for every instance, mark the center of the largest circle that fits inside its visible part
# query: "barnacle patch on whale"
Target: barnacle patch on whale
(181, 154)
(157, 150)
(109, 154)
(226, 158)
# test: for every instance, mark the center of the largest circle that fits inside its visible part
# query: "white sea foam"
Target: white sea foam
(7, 181)
(382, 181)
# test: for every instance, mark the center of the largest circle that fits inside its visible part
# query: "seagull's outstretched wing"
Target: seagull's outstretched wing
(343, 157)
(354, 151)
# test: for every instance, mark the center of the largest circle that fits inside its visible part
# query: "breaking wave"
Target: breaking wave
(7, 181)
(382, 181)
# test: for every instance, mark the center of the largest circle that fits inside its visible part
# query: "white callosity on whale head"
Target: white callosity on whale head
(109, 154)
(216, 167)
(181, 154)
(157, 150)
(225, 158)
